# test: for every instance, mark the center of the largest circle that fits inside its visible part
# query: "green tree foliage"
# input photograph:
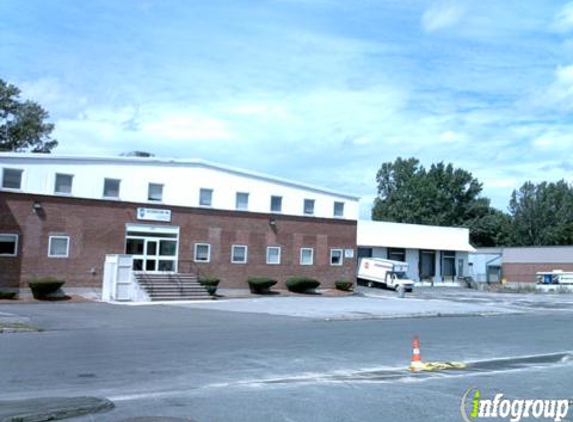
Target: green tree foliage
(442, 195)
(22, 123)
(542, 214)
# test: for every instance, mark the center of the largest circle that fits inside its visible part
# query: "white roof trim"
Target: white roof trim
(413, 236)
(170, 162)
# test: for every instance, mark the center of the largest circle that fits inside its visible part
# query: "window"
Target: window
(273, 255)
(12, 178)
(397, 254)
(155, 192)
(239, 254)
(111, 188)
(202, 252)
(364, 253)
(8, 244)
(63, 184)
(276, 203)
(339, 209)
(206, 197)
(336, 257)
(58, 246)
(309, 206)
(306, 256)
(242, 201)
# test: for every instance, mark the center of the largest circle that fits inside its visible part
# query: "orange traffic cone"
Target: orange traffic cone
(416, 364)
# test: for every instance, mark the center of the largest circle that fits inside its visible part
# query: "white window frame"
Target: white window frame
(16, 239)
(313, 206)
(233, 254)
(50, 238)
(71, 176)
(149, 192)
(246, 208)
(279, 255)
(334, 209)
(118, 188)
(281, 204)
(210, 204)
(311, 256)
(4, 176)
(208, 253)
(341, 257)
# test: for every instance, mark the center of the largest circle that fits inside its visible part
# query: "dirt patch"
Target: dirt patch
(30, 299)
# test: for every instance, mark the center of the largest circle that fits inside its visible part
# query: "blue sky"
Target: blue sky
(319, 91)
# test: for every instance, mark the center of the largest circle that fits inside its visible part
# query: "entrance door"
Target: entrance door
(427, 265)
(154, 248)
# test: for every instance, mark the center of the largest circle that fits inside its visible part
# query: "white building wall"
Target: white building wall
(481, 260)
(413, 260)
(182, 182)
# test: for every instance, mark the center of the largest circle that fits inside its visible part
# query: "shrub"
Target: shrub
(210, 284)
(7, 295)
(343, 285)
(301, 284)
(261, 285)
(47, 289)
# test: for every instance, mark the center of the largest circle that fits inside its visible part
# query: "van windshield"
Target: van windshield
(400, 275)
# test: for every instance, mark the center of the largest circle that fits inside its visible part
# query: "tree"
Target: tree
(22, 123)
(542, 214)
(442, 196)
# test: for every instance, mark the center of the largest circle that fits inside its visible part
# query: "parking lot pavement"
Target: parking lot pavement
(353, 307)
(376, 303)
(517, 301)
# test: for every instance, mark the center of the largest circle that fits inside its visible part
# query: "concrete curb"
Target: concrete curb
(11, 330)
(51, 408)
(426, 315)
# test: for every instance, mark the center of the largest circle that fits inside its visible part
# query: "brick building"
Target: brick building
(60, 216)
(520, 264)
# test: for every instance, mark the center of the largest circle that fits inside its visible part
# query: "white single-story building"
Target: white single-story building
(438, 255)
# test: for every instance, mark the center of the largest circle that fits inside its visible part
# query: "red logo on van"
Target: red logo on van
(366, 265)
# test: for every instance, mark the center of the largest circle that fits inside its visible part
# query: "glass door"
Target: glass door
(152, 251)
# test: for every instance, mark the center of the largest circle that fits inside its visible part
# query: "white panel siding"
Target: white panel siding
(182, 182)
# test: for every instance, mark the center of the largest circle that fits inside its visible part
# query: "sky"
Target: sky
(318, 91)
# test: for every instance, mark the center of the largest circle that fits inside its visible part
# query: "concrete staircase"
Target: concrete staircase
(172, 286)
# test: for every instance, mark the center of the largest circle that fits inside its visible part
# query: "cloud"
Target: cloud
(563, 20)
(553, 140)
(442, 15)
(560, 92)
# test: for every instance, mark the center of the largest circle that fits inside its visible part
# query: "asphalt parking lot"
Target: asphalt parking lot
(213, 365)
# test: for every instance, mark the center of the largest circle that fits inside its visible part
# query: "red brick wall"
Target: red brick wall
(9, 266)
(97, 228)
(525, 273)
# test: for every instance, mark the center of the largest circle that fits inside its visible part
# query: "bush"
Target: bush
(344, 285)
(47, 289)
(210, 284)
(7, 295)
(301, 284)
(261, 285)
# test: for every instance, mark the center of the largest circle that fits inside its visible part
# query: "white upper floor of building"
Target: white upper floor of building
(165, 182)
